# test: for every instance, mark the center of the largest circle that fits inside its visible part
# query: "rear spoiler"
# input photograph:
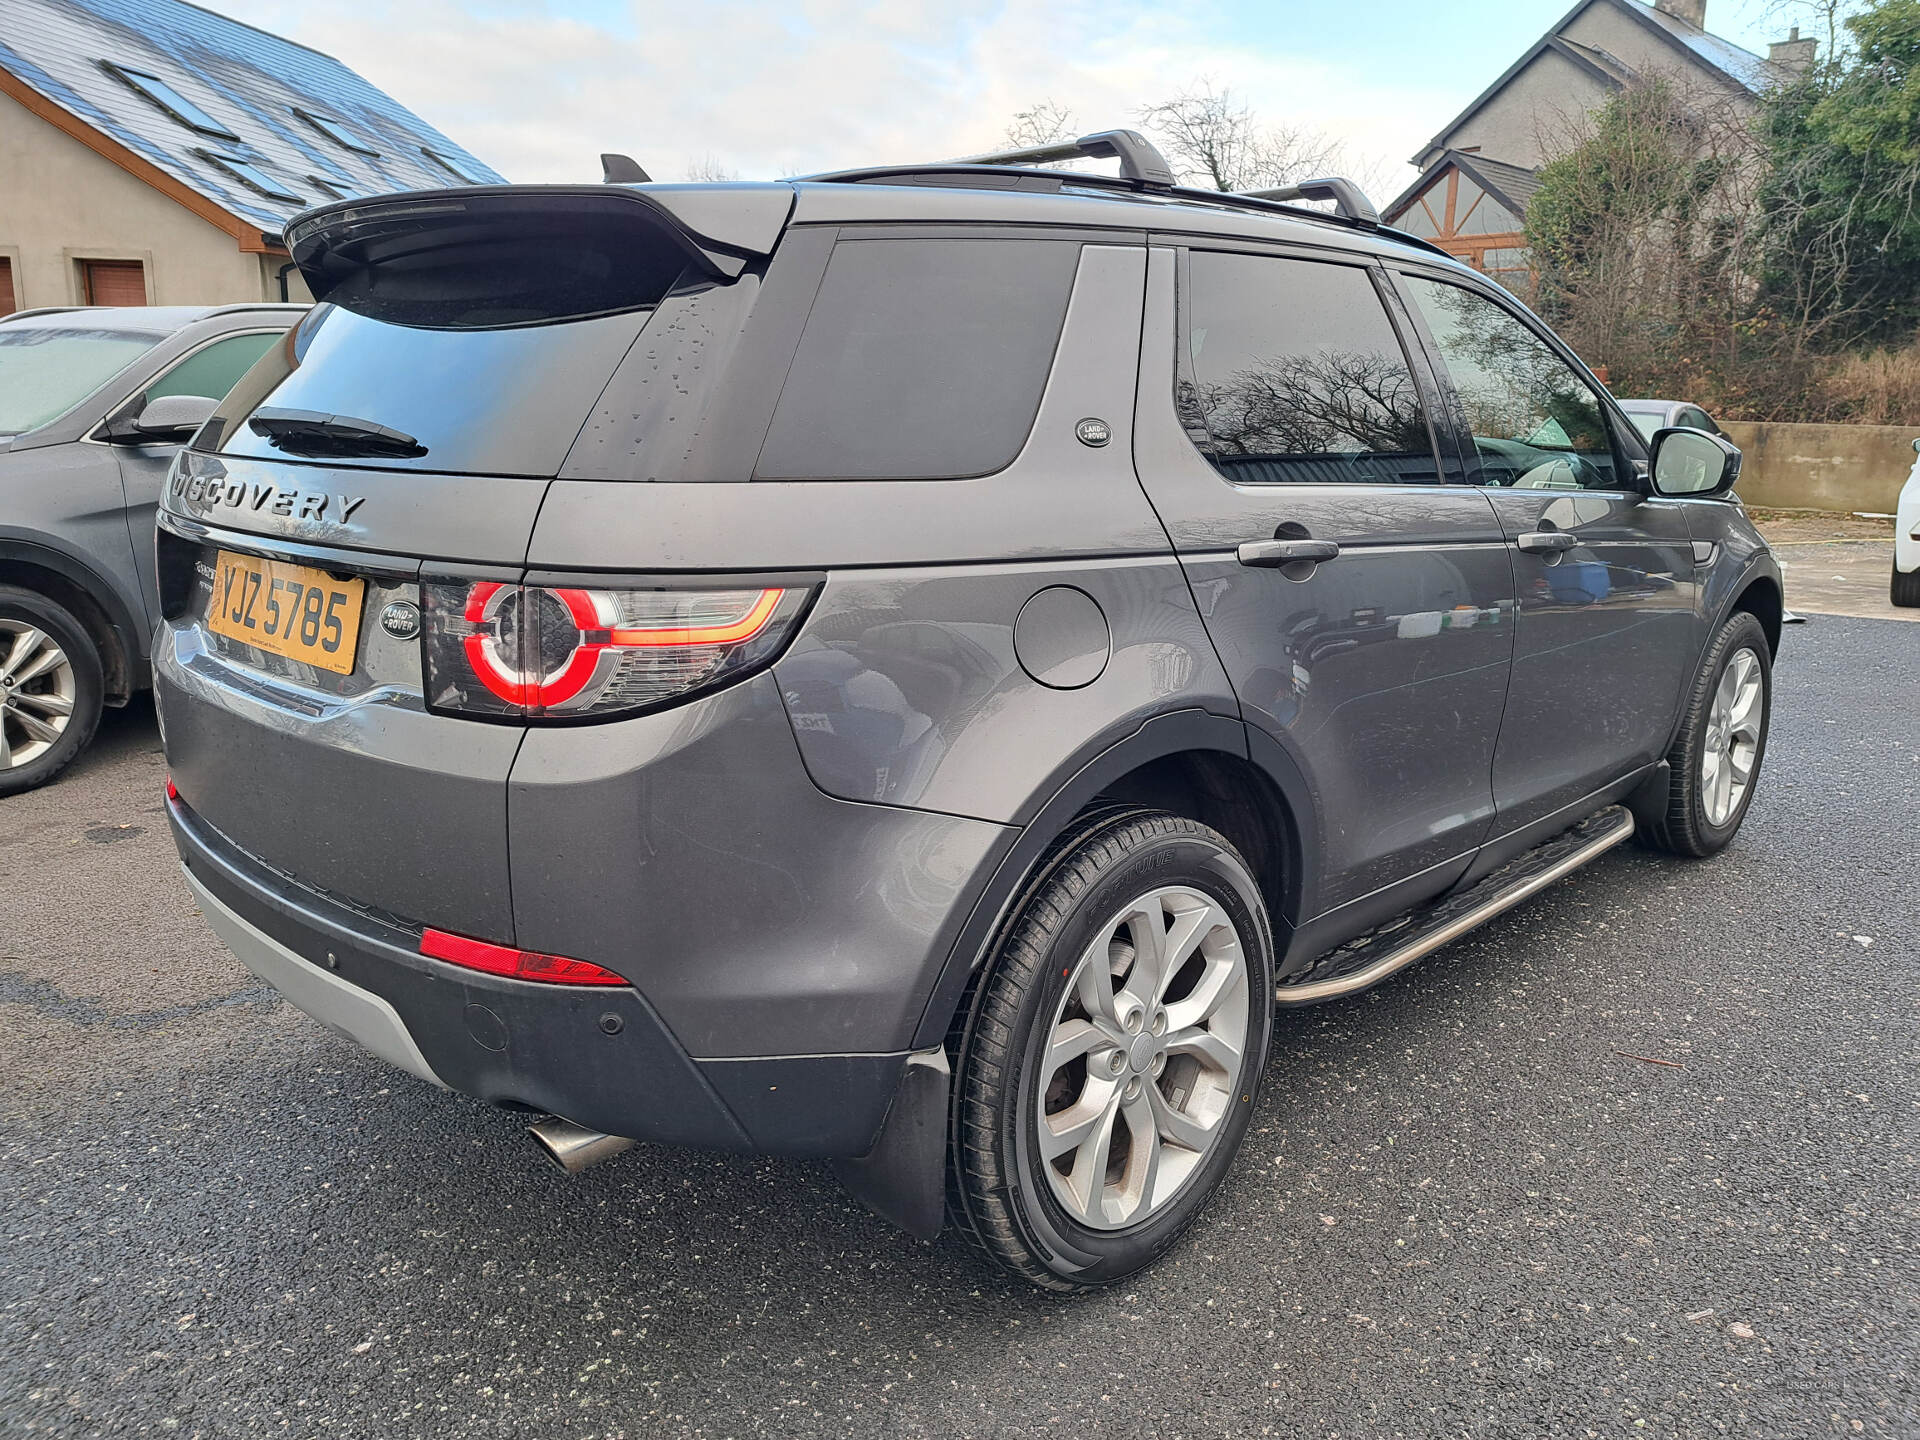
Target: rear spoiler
(719, 229)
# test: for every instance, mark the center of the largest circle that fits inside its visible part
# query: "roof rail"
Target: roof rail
(1349, 200)
(1139, 161)
(43, 310)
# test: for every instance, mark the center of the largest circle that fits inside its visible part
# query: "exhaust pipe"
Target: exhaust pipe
(574, 1147)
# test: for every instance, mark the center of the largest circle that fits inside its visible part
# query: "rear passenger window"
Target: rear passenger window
(921, 360)
(1290, 373)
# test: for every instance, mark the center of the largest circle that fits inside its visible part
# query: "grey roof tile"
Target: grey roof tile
(1752, 72)
(246, 79)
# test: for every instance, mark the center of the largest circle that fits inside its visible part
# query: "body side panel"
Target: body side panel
(1382, 673)
(688, 851)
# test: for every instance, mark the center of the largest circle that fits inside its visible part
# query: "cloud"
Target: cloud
(767, 90)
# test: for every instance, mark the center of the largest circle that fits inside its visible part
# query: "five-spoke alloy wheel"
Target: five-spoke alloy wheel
(1112, 1051)
(1143, 1058)
(1733, 737)
(50, 689)
(1715, 758)
(36, 693)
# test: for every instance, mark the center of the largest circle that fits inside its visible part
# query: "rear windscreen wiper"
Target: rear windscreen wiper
(318, 435)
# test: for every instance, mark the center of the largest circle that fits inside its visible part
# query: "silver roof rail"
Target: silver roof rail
(1139, 160)
(1349, 200)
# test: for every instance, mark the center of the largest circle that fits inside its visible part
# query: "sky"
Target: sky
(538, 88)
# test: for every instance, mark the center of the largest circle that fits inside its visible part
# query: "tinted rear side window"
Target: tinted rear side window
(922, 359)
(1290, 373)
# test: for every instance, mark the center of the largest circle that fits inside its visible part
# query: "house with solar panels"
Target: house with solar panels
(1479, 172)
(152, 151)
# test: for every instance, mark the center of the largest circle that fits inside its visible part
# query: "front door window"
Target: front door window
(1536, 423)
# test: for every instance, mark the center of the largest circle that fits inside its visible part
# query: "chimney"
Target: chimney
(1793, 55)
(1694, 12)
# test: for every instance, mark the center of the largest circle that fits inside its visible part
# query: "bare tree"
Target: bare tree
(1824, 15)
(1047, 123)
(708, 169)
(1213, 141)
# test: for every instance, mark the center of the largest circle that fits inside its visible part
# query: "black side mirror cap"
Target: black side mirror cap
(1687, 462)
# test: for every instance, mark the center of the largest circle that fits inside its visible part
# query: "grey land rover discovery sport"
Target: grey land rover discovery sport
(911, 666)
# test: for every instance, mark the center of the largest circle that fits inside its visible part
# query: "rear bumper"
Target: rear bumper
(600, 1057)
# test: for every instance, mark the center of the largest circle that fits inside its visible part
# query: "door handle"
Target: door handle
(1273, 553)
(1546, 542)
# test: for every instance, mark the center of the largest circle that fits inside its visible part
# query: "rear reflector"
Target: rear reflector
(173, 792)
(518, 964)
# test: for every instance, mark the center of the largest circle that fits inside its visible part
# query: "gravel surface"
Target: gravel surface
(1465, 1208)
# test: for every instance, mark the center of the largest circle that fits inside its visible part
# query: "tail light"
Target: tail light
(564, 652)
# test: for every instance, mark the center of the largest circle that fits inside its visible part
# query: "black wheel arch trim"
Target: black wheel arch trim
(1075, 786)
(30, 548)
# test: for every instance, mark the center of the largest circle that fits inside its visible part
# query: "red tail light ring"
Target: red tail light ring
(569, 650)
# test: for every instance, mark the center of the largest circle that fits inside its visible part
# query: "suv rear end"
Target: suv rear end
(476, 746)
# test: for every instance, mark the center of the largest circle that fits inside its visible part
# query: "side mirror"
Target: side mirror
(1692, 462)
(176, 417)
(171, 419)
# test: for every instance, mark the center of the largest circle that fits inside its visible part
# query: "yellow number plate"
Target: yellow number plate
(290, 610)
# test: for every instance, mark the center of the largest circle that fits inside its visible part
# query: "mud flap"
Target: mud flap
(903, 1179)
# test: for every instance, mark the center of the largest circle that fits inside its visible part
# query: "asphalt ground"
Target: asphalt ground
(1471, 1203)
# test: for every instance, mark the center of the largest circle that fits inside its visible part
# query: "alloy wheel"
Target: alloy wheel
(36, 693)
(1732, 739)
(1143, 1058)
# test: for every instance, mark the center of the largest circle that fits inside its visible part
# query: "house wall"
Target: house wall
(1541, 100)
(60, 202)
(1546, 100)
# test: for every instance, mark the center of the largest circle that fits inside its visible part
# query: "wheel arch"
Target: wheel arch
(1760, 596)
(1191, 763)
(76, 587)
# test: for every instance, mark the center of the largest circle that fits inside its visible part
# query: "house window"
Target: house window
(113, 282)
(8, 304)
(336, 132)
(452, 166)
(249, 175)
(333, 188)
(163, 95)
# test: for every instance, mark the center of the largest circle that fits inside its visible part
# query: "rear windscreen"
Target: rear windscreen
(346, 388)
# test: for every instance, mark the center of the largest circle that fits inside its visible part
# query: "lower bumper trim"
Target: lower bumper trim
(360, 1015)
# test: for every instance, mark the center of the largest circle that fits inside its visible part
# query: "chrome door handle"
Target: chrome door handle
(1287, 552)
(1546, 542)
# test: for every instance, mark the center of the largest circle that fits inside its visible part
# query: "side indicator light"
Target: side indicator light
(516, 964)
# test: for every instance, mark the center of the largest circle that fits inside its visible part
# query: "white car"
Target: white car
(1906, 539)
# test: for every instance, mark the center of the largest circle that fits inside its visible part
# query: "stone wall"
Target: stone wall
(1823, 467)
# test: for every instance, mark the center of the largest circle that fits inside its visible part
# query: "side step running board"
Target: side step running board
(1367, 961)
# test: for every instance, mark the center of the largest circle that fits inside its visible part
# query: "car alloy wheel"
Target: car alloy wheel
(1144, 1058)
(1732, 739)
(37, 693)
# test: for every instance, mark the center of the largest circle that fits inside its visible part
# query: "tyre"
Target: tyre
(1715, 759)
(1905, 589)
(50, 689)
(1112, 1052)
